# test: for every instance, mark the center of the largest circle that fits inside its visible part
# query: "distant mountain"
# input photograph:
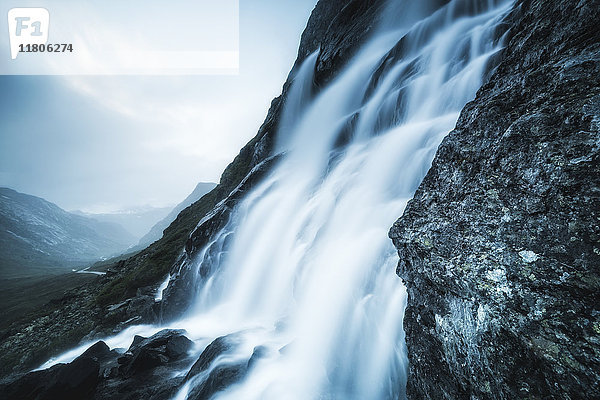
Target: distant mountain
(37, 236)
(157, 230)
(137, 222)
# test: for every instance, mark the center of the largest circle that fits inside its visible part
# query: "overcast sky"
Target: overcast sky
(113, 142)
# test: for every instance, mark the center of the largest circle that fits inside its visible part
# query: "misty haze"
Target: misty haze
(351, 200)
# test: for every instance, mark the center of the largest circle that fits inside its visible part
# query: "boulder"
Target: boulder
(74, 381)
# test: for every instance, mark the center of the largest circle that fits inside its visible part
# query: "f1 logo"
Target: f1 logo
(27, 26)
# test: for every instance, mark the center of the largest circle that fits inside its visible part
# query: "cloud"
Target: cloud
(82, 141)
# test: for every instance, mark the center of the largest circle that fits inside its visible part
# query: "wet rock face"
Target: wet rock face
(210, 353)
(338, 28)
(148, 353)
(208, 376)
(500, 247)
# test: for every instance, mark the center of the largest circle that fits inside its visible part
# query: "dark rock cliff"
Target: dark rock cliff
(500, 247)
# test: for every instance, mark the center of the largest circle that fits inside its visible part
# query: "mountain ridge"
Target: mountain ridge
(36, 234)
(157, 229)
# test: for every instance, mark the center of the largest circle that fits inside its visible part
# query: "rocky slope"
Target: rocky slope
(125, 295)
(500, 247)
(38, 237)
(144, 370)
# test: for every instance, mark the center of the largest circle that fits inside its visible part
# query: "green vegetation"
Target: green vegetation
(21, 296)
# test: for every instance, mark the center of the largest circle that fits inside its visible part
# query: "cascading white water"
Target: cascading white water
(304, 267)
(310, 266)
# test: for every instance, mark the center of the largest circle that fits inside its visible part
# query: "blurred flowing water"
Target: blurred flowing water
(303, 275)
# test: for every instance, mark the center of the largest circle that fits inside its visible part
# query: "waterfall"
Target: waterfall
(302, 277)
(309, 268)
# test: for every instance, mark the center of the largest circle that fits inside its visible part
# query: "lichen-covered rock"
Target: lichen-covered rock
(500, 247)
